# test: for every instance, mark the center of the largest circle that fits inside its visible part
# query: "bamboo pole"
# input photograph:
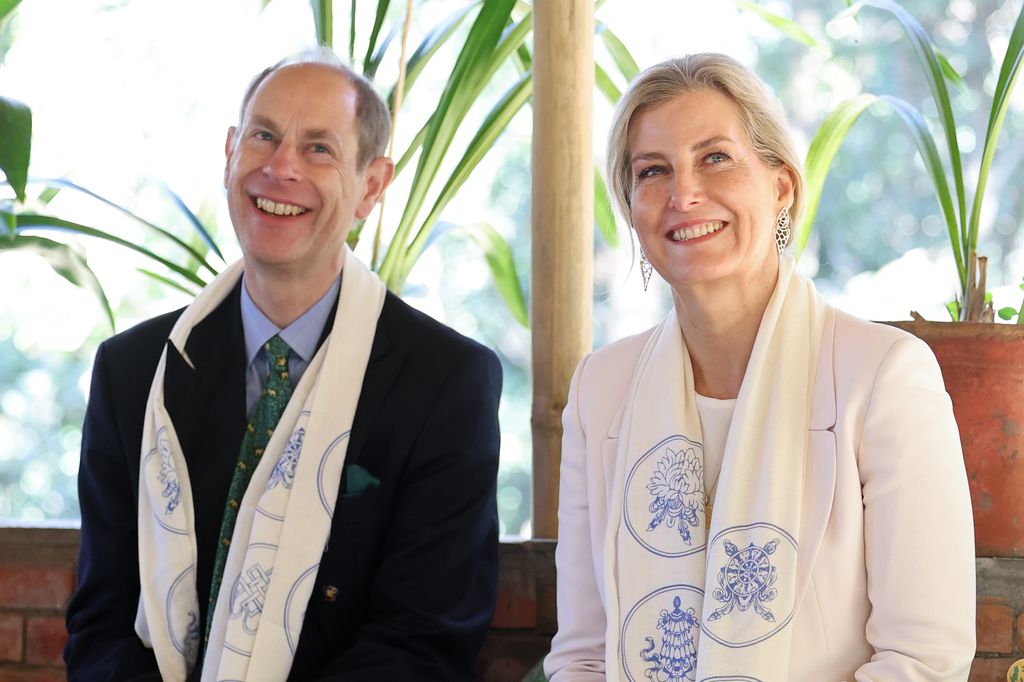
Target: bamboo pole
(563, 230)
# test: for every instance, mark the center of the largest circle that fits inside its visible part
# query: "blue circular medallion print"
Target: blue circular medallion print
(751, 569)
(663, 503)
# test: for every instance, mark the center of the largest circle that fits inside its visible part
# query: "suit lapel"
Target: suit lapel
(386, 357)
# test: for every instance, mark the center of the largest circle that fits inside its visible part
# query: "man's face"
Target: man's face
(293, 184)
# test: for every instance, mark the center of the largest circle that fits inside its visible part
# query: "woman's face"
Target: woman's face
(703, 203)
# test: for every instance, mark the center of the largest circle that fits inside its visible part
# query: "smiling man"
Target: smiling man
(293, 477)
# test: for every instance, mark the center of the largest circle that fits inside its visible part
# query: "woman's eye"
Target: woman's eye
(717, 157)
(321, 149)
(649, 171)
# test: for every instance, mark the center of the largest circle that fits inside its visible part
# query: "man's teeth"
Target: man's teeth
(278, 208)
(687, 233)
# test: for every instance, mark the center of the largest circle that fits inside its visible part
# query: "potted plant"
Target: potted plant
(982, 363)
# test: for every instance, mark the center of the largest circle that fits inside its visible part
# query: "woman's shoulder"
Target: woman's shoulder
(861, 352)
(615, 360)
(873, 341)
(602, 380)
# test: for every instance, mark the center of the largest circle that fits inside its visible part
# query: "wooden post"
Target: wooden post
(563, 230)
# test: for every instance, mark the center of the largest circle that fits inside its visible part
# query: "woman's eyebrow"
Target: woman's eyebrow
(711, 141)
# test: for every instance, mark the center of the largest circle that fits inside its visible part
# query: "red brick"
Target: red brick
(34, 586)
(994, 626)
(1020, 632)
(46, 636)
(547, 613)
(990, 669)
(504, 670)
(515, 608)
(37, 675)
(11, 637)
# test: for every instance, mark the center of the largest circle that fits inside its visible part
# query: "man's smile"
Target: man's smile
(278, 208)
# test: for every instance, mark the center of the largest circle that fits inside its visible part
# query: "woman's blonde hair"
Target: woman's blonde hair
(760, 114)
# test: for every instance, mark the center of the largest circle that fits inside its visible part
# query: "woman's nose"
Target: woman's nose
(687, 191)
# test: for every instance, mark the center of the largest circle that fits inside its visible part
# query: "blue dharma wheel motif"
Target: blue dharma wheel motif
(747, 580)
(664, 497)
(758, 566)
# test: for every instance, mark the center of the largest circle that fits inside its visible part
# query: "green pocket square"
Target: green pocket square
(358, 480)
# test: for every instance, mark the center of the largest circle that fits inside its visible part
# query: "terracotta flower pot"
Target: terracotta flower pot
(983, 369)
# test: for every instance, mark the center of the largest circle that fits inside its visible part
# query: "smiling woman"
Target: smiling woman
(701, 196)
(735, 479)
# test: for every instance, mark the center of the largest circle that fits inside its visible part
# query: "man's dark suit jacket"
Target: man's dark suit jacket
(406, 585)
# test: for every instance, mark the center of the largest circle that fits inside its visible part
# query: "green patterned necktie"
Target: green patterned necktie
(265, 413)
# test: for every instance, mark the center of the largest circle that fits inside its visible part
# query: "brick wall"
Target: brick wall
(1000, 618)
(37, 576)
(36, 579)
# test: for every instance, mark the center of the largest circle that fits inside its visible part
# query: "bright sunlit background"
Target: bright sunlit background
(132, 99)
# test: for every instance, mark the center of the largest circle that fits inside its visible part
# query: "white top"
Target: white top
(715, 417)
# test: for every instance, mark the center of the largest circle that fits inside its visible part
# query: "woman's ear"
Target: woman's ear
(785, 184)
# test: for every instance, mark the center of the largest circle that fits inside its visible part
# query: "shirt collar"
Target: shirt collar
(302, 335)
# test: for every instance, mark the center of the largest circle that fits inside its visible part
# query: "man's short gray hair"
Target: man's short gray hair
(372, 114)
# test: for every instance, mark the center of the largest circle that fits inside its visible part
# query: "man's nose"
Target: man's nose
(283, 164)
(687, 191)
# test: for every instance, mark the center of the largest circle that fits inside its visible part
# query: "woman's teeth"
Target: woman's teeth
(688, 233)
(278, 208)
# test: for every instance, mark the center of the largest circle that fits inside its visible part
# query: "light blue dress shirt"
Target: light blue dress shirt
(301, 336)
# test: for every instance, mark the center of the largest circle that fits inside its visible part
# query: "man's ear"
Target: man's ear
(378, 175)
(228, 149)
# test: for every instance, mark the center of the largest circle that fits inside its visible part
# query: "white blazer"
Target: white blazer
(890, 582)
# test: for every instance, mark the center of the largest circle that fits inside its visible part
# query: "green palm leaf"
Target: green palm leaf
(6, 7)
(27, 221)
(65, 261)
(933, 164)
(162, 232)
(823, 148)
(604, 83)
(1008, 73)
(787, 27)
(620, 55)
(378, 21)
(499, 259)
(603, 215)
(427, 48)
(15, 143)
(472, 70)
(494, 124)
(935, 78)
(323, 20)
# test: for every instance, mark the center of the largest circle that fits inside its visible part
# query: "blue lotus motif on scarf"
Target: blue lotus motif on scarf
(678, 489)
(168, 476)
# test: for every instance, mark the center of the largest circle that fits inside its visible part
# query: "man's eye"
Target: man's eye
(263, 135)
(321, 149)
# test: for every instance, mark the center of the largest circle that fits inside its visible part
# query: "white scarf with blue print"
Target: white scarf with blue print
(279, 537)
(687, 602)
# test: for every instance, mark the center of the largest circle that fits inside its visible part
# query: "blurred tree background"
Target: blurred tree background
(150, 97)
